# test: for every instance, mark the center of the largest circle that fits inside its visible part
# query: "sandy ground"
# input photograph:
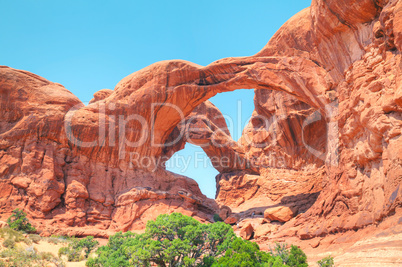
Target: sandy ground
(44, 246)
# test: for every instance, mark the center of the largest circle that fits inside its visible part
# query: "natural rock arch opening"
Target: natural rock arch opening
(201, 131)
(276, 137)
(194, 163)
(278, 141)
(237, 108)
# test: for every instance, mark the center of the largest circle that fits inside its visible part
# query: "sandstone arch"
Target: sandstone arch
(177, 87)
(347, 51)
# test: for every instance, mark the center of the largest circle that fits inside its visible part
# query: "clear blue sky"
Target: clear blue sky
(91, 45)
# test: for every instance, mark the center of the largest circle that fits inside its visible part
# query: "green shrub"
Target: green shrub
(297, 257)
(71, 253)
(217, 218)
(243, 253)
(12, 234)
(171, 240)
(91, 262)
(293, 257)
(35, 238)
(326, 262)
(88, 244)
(9, 243)
(47, 256)
(19, 238)
(178, 240)
(115, 253)
(54, 240)
(27, 257)
(274, 262)
(76, 246)
(280, 251)
(19, 222)
(15, 236)
(63, 251)
(28, 241)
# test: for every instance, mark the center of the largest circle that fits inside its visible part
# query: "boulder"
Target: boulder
(280, 213)
(224, 212)
(314, 243)
(247, 231)
(263, 230)
(232, 219)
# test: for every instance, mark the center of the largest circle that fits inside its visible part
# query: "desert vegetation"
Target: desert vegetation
(78, 249)
(171, 240)
(19, 222)
(179, 240)
(18, 242)
(18, 249)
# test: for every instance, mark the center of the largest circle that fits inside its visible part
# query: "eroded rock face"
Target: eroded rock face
(352, 150)
(206, 127)
(325, 137)
(65, 191)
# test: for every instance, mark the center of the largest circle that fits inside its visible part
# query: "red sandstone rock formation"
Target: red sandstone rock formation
(325, 142)
(359, 155)
(59, 187)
